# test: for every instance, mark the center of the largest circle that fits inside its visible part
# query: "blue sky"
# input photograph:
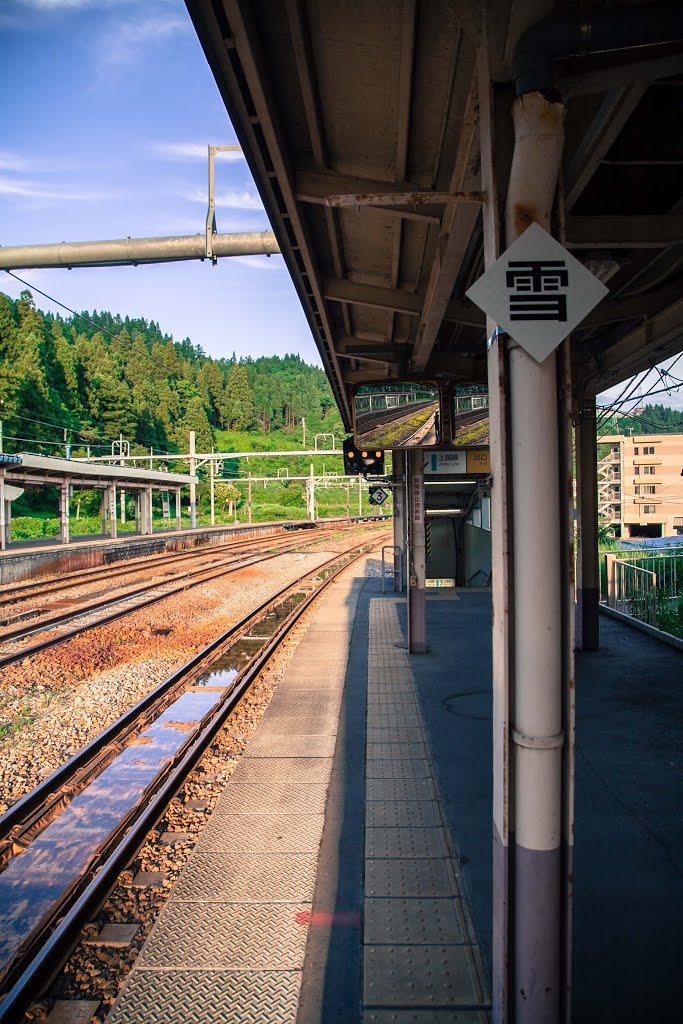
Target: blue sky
(105, 132)
(107, 111)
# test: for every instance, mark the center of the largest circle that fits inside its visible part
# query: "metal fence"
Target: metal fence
(642, 584)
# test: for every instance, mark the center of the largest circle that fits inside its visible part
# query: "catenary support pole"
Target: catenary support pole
(112, 511)
(213, 491)
(193, 486)
(3, 540)
(249, 498)
(399, 520)
(360, 495)
(311, 492)
(64, 513)
(587, 584)
(417, 597)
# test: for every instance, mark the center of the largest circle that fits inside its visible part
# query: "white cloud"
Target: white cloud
(232, 199)
(192, 151)
(11, 161)
(122, 46)
(259, 262)
(27, 189)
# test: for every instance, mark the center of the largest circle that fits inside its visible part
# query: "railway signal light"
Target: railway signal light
(362, 460)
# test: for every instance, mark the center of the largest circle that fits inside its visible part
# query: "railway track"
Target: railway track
(156, 591)
(129, 773)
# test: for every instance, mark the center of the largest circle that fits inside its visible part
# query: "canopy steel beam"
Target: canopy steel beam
(625, 232)
(655, 339)
(396, 299)
(457, 226)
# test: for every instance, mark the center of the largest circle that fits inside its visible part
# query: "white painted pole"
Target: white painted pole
(112, 510)
(123, 506)
(537, 585)
(399, 518)
(417, 597)
(64, 509)
(213, 496)
(178, 519)
(193, 486)
(360, 496)
(2, 510)
(249, 498)
(311, 496)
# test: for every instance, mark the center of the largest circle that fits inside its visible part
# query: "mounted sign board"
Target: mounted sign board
(537, 292)
(439, 584)
(12, 493)
(479, 461)
(440, 463)
(418, 512)
(377, 496)
(474, 460)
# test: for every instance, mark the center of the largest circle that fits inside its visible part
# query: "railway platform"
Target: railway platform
(345, 874)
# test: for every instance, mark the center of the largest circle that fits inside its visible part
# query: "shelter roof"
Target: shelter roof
(340, 99)
(46, 469)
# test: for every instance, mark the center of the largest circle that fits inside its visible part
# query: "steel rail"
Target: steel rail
(38, 587)
(48, 623)
(42, 968)
(207, 577)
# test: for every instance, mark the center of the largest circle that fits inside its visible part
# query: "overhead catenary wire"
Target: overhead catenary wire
(73, 312)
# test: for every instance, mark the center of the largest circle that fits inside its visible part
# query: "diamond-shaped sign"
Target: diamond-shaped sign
(537, 292)
(377, 496)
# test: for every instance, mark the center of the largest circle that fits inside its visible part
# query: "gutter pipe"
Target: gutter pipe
(131, 251)
(538, 795)
(567, 36)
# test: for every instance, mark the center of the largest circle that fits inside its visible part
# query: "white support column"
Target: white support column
(138, 511)
(417, 597)
(3, 538)
(104, 510)
(8, 522)
(150, 511)
(64, 513)
(249, 498)
(178, 519)
(112, 511)
(360, 495)
(123, 506)
(399, 520)
(193, 486)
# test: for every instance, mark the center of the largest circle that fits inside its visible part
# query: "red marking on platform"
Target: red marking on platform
(346, 918)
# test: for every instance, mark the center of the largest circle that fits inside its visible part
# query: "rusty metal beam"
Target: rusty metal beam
(396, 299)
(418, 198)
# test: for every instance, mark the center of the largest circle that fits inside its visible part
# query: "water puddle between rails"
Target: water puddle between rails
(34, 879)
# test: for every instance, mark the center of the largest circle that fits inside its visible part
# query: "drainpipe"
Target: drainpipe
(568, 36)
(537, 737)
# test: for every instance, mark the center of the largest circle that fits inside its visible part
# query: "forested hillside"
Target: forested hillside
(88, 379)
(652, 419)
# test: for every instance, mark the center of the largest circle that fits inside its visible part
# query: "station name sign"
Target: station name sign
(462, 461)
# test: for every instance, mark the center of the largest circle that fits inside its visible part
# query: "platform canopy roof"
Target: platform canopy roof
(381, 97)
(44, 469)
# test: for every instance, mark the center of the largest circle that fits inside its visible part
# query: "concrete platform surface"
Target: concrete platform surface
(346, 873)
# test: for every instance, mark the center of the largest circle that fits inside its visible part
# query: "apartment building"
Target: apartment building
(640, 484)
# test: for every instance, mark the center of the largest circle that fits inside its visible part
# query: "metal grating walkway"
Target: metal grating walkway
(229, 946)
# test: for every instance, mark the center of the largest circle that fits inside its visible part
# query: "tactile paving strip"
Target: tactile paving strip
(405, 842)
(402, 813)
(419, 957)
(418, 975)
(423, 921)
